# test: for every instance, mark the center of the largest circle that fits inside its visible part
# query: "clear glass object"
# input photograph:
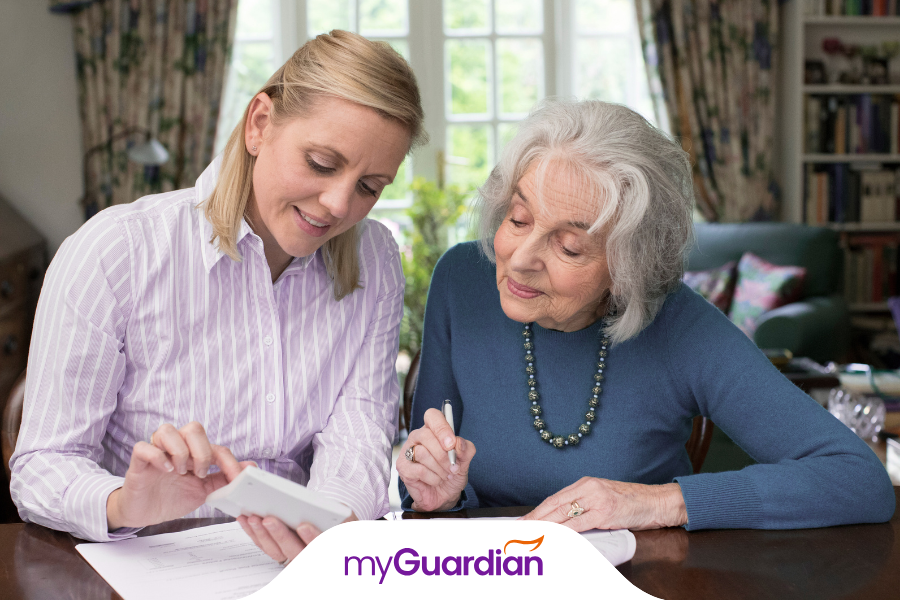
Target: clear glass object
(862, 413)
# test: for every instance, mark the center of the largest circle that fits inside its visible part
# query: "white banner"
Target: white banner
(450, 559)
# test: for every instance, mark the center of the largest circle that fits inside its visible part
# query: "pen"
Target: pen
(448, 414)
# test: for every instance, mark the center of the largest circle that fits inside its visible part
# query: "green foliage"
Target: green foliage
(433, 210)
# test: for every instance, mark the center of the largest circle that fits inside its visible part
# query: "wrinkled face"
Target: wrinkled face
(550, 270)
(316, 176)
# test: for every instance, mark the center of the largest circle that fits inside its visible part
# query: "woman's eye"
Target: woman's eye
(317, 167)
(367, 190)
(568, 252)
(516, 223)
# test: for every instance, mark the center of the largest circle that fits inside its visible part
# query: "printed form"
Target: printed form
(218, 562)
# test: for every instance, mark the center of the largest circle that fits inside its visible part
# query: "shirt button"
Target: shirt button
(268, 340)
(270, 397)
(267, 452)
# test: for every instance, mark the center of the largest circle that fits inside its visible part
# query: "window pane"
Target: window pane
(252, 64)
(605, 15)
(398, 44)
(466, 14)
(469, 157)
(506, 131)
(254, 19)
(521, 65)
(468, 76)
(398, 190)
(325, 16)
(399, 224)
(518, 16)
(382, 17)
(603, 69)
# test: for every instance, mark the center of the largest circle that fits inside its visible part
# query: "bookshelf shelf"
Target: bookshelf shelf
(860, 307)
(873, 227)
(850, 158)
(840, 88)
(867, 21)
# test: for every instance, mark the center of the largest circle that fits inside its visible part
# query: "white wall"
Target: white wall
(40, 129)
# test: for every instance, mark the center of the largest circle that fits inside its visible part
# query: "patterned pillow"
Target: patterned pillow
(762, 286)
(716, 285)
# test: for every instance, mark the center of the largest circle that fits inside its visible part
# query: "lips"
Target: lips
(309, 224)
(522, 291)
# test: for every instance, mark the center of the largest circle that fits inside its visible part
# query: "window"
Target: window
(481, 65)
(253, 60)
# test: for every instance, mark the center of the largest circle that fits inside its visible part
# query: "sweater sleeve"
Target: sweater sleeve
(436, 381)
(812, 472)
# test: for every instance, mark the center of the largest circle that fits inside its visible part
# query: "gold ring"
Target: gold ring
(410, 454)
(575, 511)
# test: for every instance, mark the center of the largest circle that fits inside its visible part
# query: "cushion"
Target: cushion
(762, 286)
(716, 285)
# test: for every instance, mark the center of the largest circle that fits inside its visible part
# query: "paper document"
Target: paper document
(616, 545)
(218, 562)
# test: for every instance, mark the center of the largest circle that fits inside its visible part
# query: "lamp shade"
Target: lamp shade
(150, 153)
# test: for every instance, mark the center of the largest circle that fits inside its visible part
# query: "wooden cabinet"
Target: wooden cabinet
(23, 260)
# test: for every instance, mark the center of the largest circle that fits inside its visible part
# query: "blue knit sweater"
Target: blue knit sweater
(690, 360)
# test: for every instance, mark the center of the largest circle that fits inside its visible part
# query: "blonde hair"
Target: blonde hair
(640, 180)
(341, 65)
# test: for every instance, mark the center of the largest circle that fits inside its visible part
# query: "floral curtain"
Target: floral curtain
(154, 66)
(715, 65)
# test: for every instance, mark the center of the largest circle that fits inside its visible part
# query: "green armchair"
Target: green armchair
(818, 325)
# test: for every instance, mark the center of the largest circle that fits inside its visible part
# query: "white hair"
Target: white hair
(640, 180)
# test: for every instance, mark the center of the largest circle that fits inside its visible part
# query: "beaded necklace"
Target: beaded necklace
(572, 439)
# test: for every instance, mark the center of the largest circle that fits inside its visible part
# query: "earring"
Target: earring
(253, 148)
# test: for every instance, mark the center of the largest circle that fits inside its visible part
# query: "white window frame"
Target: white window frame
(426, 38)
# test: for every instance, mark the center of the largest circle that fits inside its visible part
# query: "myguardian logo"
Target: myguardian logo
(407, 562)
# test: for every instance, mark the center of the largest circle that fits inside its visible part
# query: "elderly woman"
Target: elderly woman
(575, 359)
(252, 318)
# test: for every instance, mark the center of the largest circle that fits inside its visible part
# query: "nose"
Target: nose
(527, 255)
(336, 199)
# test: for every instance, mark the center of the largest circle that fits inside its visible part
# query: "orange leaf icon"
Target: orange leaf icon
(537, 543)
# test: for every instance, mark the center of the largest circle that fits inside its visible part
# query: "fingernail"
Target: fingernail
(201, 473)
(454, 468)
(303, 530)
(448, 442)
(169, 467)
(254, 524)
(268, 524)
(182, 471)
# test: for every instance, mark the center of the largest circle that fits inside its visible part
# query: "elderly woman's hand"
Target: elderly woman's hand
(610, 504)
(277, 540)
(433, 483)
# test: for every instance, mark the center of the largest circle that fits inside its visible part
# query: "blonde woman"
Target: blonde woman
(250, 319)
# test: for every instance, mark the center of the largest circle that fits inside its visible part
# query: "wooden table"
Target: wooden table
(858, 561)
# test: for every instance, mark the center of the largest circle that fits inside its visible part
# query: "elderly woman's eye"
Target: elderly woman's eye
(516, 223)
(568, 252)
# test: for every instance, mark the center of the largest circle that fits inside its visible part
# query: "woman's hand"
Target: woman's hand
(279, 541)
(170, 477)
(614, 505)
(433, 483)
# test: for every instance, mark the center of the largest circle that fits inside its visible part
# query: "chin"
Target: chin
(515, 311)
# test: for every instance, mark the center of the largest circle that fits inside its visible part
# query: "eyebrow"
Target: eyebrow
(575, 224)
(343, 160)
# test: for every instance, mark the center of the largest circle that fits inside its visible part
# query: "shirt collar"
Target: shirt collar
(204, 186)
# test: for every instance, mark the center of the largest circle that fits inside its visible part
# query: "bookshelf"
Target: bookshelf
(841, 141)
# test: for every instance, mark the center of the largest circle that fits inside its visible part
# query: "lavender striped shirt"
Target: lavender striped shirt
(142, 322)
